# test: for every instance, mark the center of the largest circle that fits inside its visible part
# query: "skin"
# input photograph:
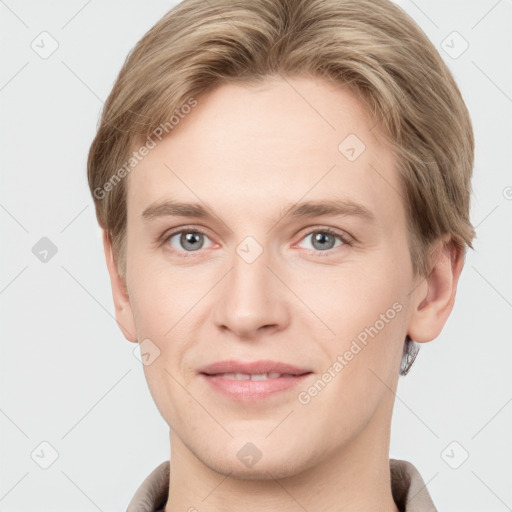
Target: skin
(247, 152)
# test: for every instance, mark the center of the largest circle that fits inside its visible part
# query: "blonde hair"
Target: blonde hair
(370, 46)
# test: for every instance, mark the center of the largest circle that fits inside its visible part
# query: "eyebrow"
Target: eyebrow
(331, 207)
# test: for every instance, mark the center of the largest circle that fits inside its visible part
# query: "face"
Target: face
(265, 269)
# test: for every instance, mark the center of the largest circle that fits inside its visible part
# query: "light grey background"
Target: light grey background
(68, 376)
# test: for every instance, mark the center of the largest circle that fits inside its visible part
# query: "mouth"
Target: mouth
(254, 376)
(253, 381)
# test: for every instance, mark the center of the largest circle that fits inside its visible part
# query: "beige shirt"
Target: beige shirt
(409, 490)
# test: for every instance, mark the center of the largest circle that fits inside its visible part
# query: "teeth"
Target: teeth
(246, 376)
(237, 376)
(264, 376)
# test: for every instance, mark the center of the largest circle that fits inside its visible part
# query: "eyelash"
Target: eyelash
(190, 254)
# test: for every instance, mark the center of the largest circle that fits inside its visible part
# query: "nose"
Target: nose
(251, 299)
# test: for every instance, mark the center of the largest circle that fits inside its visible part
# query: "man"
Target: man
(284, 191)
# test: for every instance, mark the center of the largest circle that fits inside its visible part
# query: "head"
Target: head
(249, 110)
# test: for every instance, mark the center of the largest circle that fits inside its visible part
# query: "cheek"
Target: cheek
(365, 312)
(162, 312)
(347, 299)
(363, 362)
(161, 296)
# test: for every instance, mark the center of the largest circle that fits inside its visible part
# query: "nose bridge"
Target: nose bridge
(250, 296)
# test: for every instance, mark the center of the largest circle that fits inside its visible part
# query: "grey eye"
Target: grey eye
(323, 240)
(190, 241)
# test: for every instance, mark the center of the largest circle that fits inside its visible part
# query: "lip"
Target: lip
(252, 367)
(252, 390)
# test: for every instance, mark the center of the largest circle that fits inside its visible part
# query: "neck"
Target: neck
(354, 478)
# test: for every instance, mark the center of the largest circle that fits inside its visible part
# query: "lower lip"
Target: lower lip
(252, 390)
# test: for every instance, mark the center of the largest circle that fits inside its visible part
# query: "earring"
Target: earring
(411, 349)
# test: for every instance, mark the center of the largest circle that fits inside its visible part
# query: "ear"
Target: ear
(124, 315)
(433, 300)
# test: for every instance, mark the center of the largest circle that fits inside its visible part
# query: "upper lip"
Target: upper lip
(252, 367)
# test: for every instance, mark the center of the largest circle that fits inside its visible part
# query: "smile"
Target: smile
(244, 387)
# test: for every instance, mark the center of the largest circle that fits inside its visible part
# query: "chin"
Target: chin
(260, 471)
(245, 461)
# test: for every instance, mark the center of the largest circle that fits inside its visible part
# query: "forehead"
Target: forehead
(250, 148)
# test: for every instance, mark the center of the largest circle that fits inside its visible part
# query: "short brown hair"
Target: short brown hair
(370, 46)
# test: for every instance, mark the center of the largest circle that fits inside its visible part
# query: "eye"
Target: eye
(187, 240)
(193, 240)
(324, 239)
